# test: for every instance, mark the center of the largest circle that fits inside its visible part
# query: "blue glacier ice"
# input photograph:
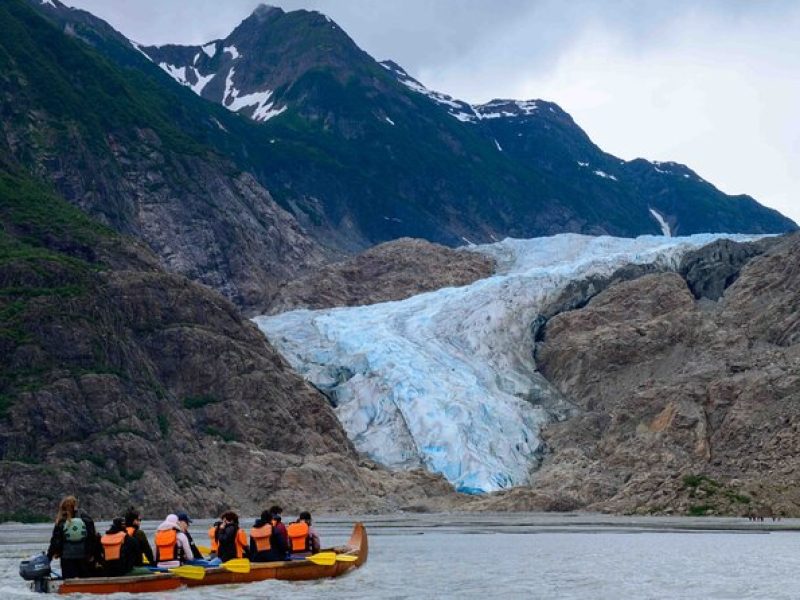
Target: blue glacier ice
(446, 380)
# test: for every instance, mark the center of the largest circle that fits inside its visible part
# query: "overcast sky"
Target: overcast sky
(713, 84)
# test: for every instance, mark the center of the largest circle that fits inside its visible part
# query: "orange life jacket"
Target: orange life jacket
(166, 545)
(130, 530)
(298, 536)
(241, 543)
(260, 537)
(112, 545)
(212, 535)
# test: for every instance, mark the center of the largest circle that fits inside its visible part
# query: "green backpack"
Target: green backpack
(75, 530)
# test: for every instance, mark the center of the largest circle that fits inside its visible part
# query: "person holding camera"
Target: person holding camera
(231, 540)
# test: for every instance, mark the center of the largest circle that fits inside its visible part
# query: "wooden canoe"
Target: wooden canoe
(290, 570)
(294, 570)
(156, 582)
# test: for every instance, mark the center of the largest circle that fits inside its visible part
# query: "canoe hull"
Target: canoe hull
(134, 585)
(295, 570)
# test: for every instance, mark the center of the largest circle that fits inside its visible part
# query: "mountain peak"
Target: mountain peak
(265, 10)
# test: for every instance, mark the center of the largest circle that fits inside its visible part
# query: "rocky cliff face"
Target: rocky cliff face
(390, 271)
(122, 383)
(687, 403)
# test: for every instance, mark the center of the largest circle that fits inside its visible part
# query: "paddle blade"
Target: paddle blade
(204, 549)
(189, 572)
(323, 558)
(237, 565)
(346, 558)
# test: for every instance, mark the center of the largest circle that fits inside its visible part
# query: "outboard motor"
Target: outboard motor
(37, 570)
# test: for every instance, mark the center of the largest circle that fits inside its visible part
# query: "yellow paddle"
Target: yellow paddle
(325, 559)
(204, 549)
(346, 558)
(188, 572)
(237, 565)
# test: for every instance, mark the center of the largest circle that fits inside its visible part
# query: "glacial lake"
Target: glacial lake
(548, 556)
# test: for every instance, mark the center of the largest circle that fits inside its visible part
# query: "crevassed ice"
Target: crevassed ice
(446, 379)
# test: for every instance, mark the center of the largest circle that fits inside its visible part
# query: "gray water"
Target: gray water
(567, 556)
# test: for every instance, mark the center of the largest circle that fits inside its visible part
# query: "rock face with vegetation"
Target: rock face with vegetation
(136, 156)
(123, 383)
(389, 271)
(686, 403)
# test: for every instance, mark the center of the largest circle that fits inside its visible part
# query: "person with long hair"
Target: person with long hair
(231, 539)
(74, 540)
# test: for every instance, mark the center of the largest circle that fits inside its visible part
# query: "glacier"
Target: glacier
(446, 380)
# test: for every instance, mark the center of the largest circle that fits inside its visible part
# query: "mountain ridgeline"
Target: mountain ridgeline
(357, 152)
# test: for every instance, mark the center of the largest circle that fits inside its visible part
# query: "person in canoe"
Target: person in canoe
(262, 541)
(120, 550)
(183, 523)
(172, 545)
(74, 540)
(303, 538)
(231, 540)
(280, 538)
(133, 524)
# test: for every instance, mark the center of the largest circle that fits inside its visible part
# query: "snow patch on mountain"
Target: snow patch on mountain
(177, 73)
(461, 110)
(446, 379)
(496, 143)
(604, 175)
(232, 51)
(497, 109)
(185, 75)
(665, 229)
(202, 81)
(263, 109)
(456, 108)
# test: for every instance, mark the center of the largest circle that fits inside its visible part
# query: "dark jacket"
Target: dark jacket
(144, 548)
(127, 557)
(226, 538)
(279, 541)
(88, 550)
(197, 554)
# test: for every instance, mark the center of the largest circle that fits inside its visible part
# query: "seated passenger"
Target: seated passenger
(133, 523)
(280, 539)
(303, 538)
(172, 545)
(119, 550)
(231, 540)
(260, 538)
(183, 523)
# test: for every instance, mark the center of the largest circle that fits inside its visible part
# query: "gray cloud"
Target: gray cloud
(712, 84)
